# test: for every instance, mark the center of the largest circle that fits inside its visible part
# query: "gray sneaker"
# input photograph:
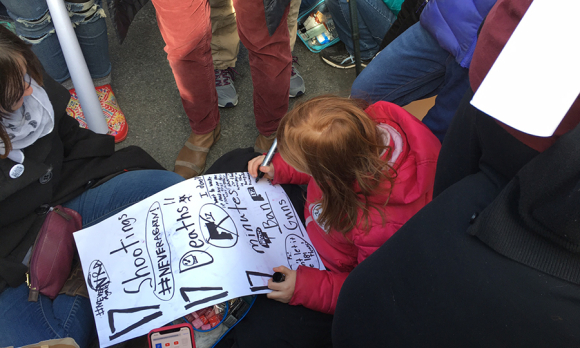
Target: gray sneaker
(337, 56)
(296, 81)
(224, 85)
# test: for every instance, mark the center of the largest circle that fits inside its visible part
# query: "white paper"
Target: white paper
(536, 77)
(197, 243)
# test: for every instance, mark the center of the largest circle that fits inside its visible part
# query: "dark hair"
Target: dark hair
(13, 53)
(335, 141)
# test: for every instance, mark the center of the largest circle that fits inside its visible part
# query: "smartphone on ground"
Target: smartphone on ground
(173, 336)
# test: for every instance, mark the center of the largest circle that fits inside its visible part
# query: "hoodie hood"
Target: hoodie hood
(413, 167)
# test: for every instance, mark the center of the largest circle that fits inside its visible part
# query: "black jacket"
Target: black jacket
(534, 219)
(58, 167)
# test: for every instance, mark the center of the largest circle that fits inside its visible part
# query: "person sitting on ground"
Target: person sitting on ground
(494, 259)
(33, 24)
(46, 159)
(368, 171)
(375, 18)
(430, 58)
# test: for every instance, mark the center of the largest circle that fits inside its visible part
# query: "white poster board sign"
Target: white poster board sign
(536, 77)
(195, 244)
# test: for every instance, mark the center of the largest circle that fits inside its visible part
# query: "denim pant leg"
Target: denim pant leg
(23, 322)
(91, 31)
(34, 25)
(374, 20)
(455, 84)
(122, 191)
(412, 67)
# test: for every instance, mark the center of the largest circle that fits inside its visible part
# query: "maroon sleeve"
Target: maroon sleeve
(499, 25)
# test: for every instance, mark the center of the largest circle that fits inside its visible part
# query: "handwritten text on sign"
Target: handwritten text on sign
(194, 244)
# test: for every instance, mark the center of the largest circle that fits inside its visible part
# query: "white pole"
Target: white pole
(77, 67)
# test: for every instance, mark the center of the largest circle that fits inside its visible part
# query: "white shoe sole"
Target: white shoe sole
(334, 65)
(298, 93)
(228, 105)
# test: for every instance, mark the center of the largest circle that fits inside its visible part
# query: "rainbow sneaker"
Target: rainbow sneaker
(73, 109)
(113, 114)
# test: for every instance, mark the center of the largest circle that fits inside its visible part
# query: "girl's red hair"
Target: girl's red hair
(335, 141)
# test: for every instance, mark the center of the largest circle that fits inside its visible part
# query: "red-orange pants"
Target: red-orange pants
(186, 28)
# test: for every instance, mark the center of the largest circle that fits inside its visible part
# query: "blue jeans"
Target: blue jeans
(34, 25)
(305, 5)
(374, 20)
(23, 322)
(414, 66)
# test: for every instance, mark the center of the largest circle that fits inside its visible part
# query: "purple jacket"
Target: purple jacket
(454, 24)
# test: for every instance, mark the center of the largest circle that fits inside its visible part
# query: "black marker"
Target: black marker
(267, 159)
(278, 277)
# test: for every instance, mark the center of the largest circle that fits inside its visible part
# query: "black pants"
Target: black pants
(271, 323)
(434, 285)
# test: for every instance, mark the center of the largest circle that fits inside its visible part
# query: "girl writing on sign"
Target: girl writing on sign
(46, 159)
(368, 171)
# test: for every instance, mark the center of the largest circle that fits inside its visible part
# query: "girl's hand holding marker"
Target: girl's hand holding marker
(283, 286)
(255, 164)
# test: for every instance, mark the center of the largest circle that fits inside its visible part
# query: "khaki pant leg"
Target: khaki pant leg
(225, 43)
(293, 21)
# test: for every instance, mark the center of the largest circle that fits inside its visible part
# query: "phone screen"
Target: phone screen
(172, 339)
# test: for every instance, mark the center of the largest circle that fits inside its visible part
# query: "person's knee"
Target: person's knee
(84, 11)
(158, 179)
(360, 89)
(192, 47)
(34, 30)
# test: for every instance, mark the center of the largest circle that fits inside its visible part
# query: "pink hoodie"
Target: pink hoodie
(416, 150)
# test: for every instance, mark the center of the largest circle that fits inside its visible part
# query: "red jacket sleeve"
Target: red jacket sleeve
(286, 174)
(316, 289)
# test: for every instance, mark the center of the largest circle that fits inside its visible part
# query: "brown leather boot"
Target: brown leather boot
(190, 161)
(264, 143)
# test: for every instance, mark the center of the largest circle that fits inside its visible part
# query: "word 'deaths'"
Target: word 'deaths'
(195, 244)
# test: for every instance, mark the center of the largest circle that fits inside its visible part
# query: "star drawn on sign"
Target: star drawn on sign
(184, 199)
